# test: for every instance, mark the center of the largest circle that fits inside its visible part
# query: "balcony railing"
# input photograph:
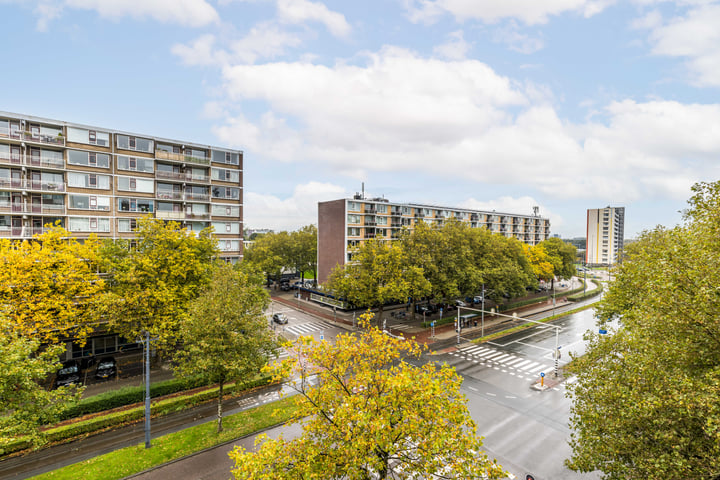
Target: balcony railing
(170, 215)
(179, 157)
(46, 162)
(169, 195)
(26, 136)
(203, 197)
(11, 159)
(33, 209)
(21, 232)
(21, 184)
(197, 216)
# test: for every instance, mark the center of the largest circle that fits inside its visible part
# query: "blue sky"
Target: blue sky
(564, 104)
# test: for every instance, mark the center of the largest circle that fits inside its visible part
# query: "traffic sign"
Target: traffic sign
(322, 334)
(542, 374)
(603, 331)
(432, 324)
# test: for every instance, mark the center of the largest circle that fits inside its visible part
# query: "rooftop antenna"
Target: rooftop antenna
(536, 210)
(363, 190)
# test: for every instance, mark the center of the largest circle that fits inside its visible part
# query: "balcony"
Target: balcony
(197, 216)
(21, 184)
(179, 157)
(11, 159)
(169, 196)
(202, 197)
(180, 177)
(170, 215)
(370, 209)
(47, 162)
(370, 223)
(21, 232)
(33, 209)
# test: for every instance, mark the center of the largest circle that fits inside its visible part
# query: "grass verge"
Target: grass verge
(135, 459)
(519, 328)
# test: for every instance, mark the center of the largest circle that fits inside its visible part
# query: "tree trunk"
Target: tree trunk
(219, 410)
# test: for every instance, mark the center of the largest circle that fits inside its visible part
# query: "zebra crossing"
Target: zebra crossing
(306, 328)
(519, 367)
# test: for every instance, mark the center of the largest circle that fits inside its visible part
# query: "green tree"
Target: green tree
(562, 256)
(48, 285)
(370, 415)
(646, 401)
(154, 282)
(25, 405)
(379, 273)
(270, 254)
(303, 248)
(226, 337)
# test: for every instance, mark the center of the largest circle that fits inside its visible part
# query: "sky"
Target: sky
(485, 104)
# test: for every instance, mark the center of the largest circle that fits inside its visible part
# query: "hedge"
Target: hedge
(114, 419)
(582, 296)
(129, 395)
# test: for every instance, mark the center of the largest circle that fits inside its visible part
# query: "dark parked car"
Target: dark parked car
(422, 309)
(69, 374)
(106, 368)
(280, 318)
(285, 287)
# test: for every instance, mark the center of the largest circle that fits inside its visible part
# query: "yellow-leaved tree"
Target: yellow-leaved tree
(370, 415)
(48, 285)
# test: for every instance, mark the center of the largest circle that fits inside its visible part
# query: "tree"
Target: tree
(48, 285)
(303, 248)
(270, 254)
(646, 401)
(25, 405)
(539, 261)
(370, 415)
(379, 273)
(153, 283)
(561, 255)
(226, 337)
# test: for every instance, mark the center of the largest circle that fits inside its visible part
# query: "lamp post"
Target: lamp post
(482, 314)
(553, 297)
(146, 347)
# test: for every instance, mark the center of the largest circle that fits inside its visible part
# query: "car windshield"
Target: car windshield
(106, 364)
(68, 370)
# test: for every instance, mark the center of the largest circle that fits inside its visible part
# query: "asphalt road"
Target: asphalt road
(524, 429)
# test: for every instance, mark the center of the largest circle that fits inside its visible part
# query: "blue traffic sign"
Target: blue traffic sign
(542, 374)
(603, 331)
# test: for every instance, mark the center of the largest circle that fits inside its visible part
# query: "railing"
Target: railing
(171, 175)
(179, 157)
(22, 232)
(26, 136)
(17, 183)
(169, 196)
(370, 223)
(38, 209)
(11, 160)
(197, 196)
(45, 162)
(197, 216)
(170, 215)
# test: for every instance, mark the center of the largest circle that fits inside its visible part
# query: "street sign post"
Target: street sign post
(542, 379)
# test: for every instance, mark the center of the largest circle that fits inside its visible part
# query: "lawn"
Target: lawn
(130, 460)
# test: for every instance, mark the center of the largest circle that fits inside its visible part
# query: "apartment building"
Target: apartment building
(344, 224)
(605, 235)
(99, 180)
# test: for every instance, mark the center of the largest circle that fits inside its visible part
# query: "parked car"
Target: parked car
(478, 299)
(460, 303)
(69, 374)
(280, 318)
(285, 287)
(398, 314)
(106, 368)
(422, 309)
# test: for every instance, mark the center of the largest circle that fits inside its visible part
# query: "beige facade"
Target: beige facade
(605, 235)
(98, 180)
(344, 224)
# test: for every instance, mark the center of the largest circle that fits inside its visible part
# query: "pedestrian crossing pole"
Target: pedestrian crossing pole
(458, 326)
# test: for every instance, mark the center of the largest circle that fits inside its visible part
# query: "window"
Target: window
(382, 208)
(226, 210)
(225, 157)
(354, 219)
(130, 184)
(142, 205)
(135, 164)
(134, 143)
(127, 224)
(226, 227)
(229, 193)
(89, 137)
(354, 206)
(225, 175)
(84, 180)
(381, 220)
(91, 224)
(88, 159)
(89, 202)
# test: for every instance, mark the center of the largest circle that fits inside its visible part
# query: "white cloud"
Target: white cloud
(270, 211)
(402, 113)
(264, 40)
(520, 42)
(300, 11)
(455, 48)
(192, 13)
(695, 37)
(530, 12)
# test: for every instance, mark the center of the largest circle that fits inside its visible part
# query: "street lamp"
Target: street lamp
(146, 345)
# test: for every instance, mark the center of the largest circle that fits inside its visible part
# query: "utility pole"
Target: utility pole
(146, 345)
(482, 314)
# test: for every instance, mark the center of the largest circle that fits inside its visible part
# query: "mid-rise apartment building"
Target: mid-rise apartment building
(99, 180)
(605, 235)
(344, 224)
